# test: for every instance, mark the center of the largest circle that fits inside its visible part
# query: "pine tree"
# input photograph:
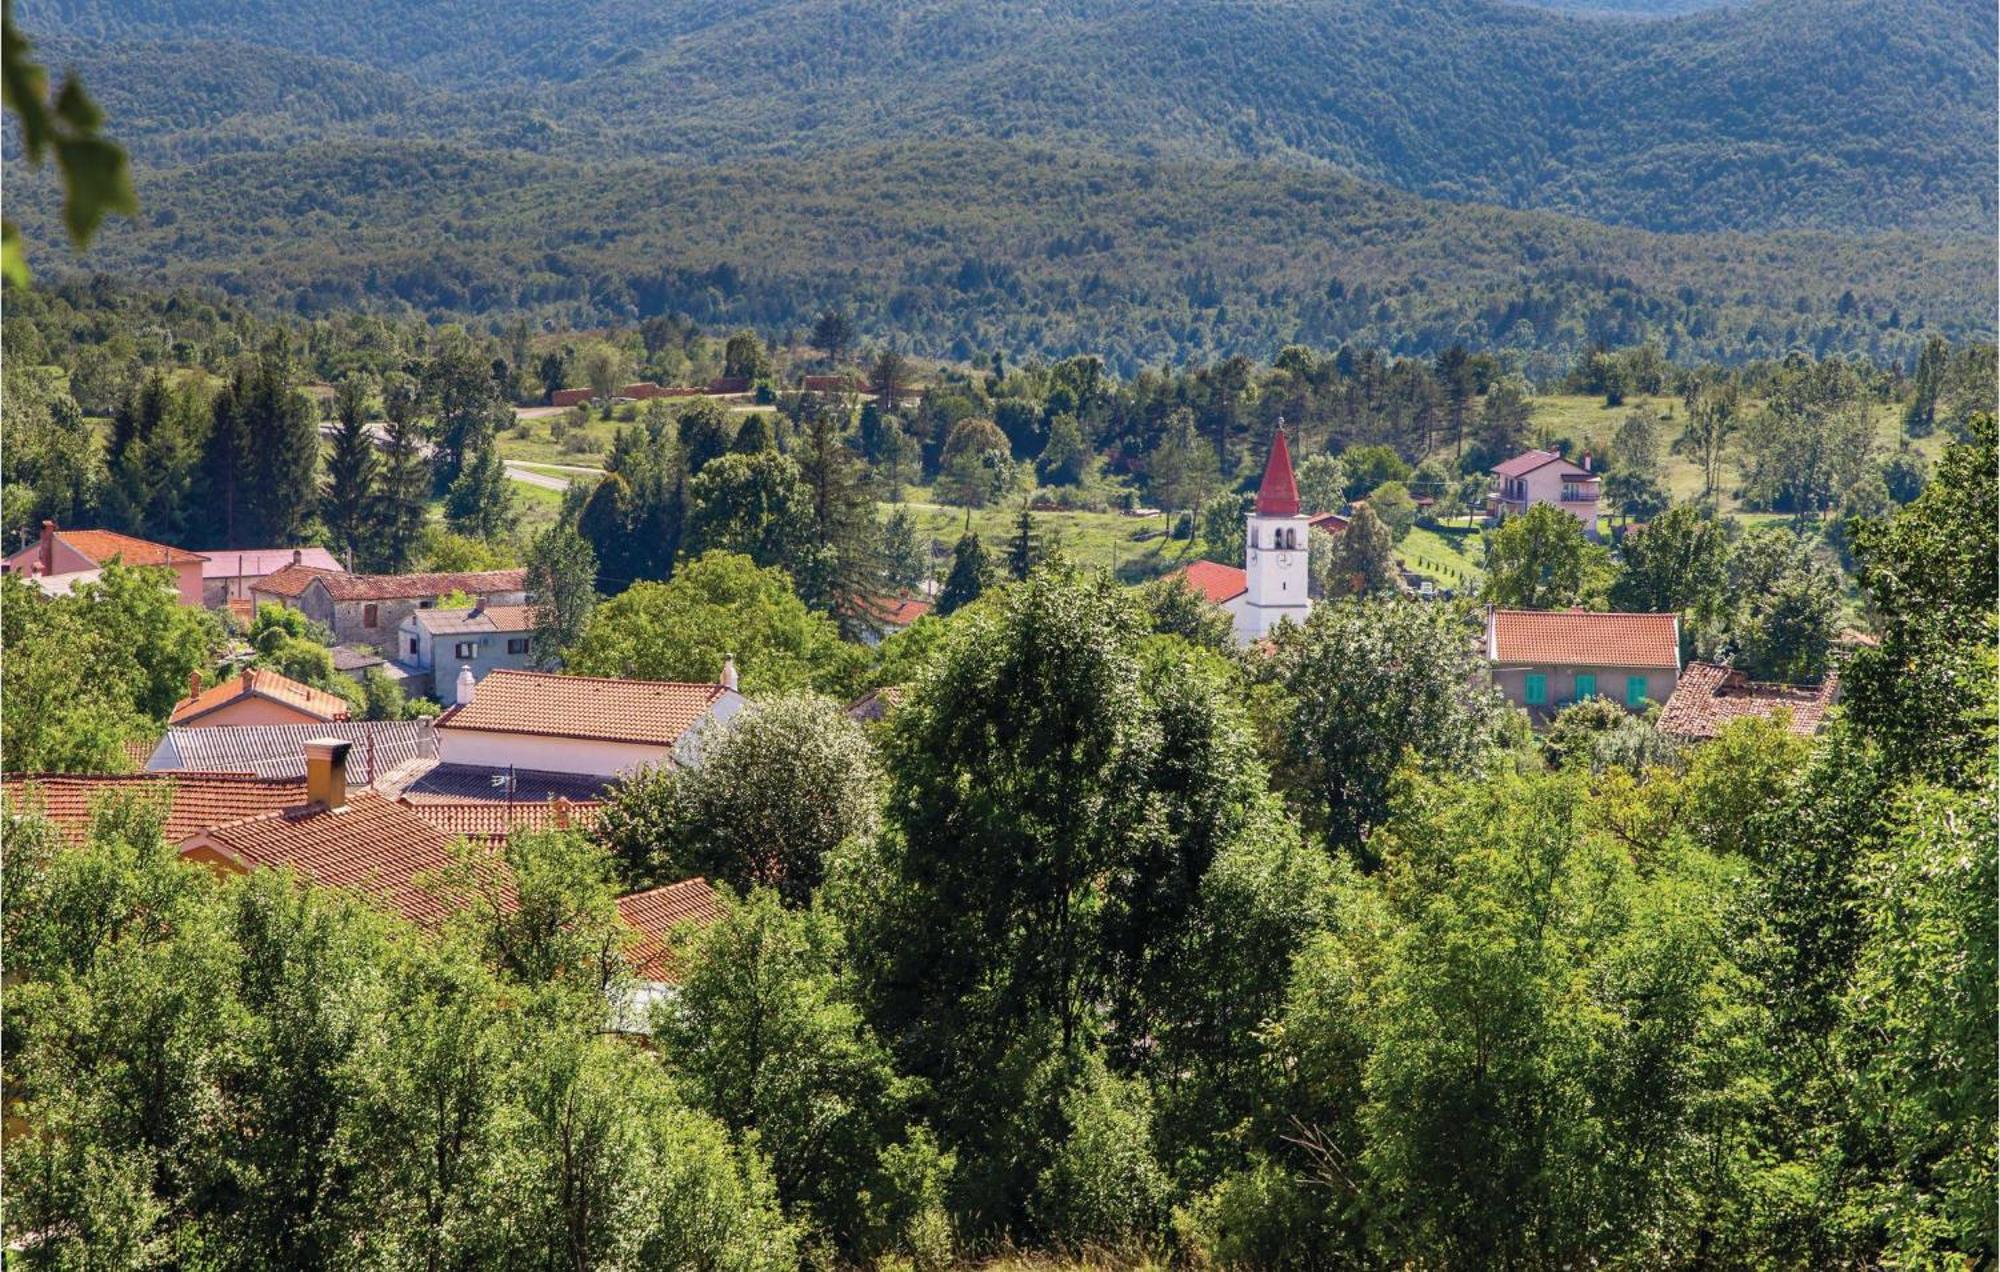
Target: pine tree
(481, 502)
(905, 556)
(842, 568)
(971, 571)
(1024, 549)
(225, 465)
(129, 474)
(351, 498)
(404, 486)
(562, 577)
(282, 430)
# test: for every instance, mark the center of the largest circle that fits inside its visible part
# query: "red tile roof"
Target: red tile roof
(648, 712)
(1710, 697)
(260, 682)
(1529, 461)
(1217, 583)
(1330, 522)
(102, 545)
(373, 846)
(656, 915)
(896, 611)
(1579, 638)
(491, 821)
(293, 580)
(194, 800)
(1278, 495)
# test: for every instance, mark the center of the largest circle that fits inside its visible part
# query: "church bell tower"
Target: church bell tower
(1275, 547)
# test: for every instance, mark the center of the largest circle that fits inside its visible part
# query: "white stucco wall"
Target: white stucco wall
(544, 754)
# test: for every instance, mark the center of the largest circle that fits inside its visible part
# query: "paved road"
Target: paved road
(531, 478)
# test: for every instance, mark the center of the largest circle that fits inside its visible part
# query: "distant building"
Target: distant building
(228, 574)
(1709, 698)
(1545, 660)
(58, 557)
(570, 397)
(368, 609)
(585, 725)
(387, 754)
(436, 645)
(1273, 584)
(1545, 477)
(876, 704)
(257, 696)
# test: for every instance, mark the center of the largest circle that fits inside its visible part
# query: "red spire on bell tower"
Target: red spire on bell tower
(1279, 495)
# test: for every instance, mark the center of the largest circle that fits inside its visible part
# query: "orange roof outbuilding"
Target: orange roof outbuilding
(658, 915)
(259, 682)
(1709, 698)
(1583, 638)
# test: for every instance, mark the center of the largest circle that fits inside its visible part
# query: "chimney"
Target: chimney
(478, 607)
(48, 547)
(326, 773)
(194, 685)
(466, 685)
(729, 671)
(1586, 461)
(298, 557)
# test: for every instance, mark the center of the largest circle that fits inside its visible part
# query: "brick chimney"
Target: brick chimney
(1586, 461)
(729, 671)
(48, 547)
(194, 685)
(326, 773)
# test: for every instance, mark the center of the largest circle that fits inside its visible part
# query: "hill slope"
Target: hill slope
(1840, 114)
(961, 247)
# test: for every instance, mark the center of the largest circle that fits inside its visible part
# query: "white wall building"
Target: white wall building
(584, 725)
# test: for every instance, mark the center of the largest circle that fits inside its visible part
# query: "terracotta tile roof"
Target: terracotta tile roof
(648, 712)
(1710, 697)
(260, 682)
(656, 915)
(1331, 522)
(491, 821)
(194, 800)
(1216, 582)
(1529, 461)
(243, 610)
(279, 750)
(487, 784)
(373, 846)
(1580, 638)
(1278, 493)
(490, 618)
(293, 580)
(255, 563)
(102, 545)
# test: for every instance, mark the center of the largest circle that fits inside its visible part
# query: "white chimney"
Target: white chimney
(326, 773)
(729, 671)
(466, 684)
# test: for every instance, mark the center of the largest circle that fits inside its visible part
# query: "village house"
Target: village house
(368, 609)
(434, 645)
(227, 574)
(584, 725)
(888, 615)
(1709, 698)
(60, 559)
(1545, 477)
(1544, 660)
(189, 801)
(257, 696)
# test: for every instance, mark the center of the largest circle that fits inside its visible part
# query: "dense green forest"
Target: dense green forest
(957, 248)
(1753, 117)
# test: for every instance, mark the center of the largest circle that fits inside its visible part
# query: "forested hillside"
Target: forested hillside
(1831, 113)
(957, 248)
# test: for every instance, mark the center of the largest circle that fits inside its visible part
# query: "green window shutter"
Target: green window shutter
(1538, 691)
(1635, 690)
(1586, 687)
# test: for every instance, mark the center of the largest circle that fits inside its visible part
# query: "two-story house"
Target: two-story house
(438, 644)
(369, 609)
(61, 558)
(1545, 477)
(1544, 660)
(229, 573)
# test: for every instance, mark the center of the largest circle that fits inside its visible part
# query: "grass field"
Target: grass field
(1590, 424)
(1133, 548)
(1449, 556)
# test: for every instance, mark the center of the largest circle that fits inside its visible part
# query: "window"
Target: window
(517, 644)
(1537, 691)
(415, 648)
(465, 649)
(1586, 687)
(370, 615)
(1635, 690)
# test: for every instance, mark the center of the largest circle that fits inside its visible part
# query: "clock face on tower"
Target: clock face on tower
(1284, 558)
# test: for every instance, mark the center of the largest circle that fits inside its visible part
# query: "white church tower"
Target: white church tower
(1275, 546)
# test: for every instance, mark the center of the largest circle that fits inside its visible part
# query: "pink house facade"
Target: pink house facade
(1545, 477)
(60, 555)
